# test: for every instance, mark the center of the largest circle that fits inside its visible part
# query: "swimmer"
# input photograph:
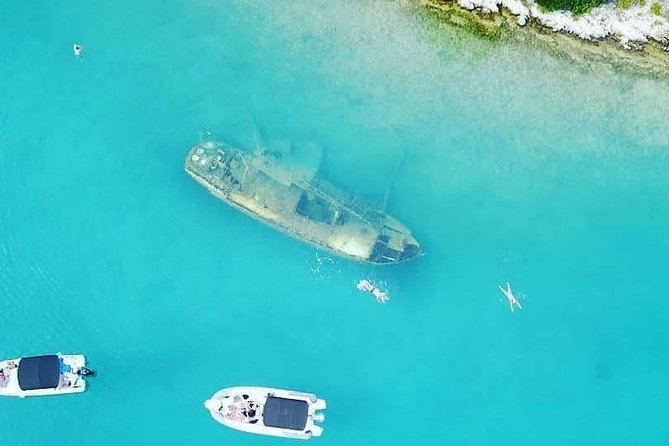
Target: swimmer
(381, 297)
(365, 285)
(77, 49)
(510, 297)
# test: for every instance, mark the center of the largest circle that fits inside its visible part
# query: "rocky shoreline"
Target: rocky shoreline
(647, 55)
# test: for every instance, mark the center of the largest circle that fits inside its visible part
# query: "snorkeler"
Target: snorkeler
(510, 297)
(381, 296)
(366, 285)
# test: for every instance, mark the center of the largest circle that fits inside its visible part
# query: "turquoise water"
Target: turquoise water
(513, 166)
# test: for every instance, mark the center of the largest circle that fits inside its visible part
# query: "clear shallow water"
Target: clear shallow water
(514, 166)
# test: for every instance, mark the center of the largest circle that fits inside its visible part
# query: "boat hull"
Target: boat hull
(225, 407)
(69, 382)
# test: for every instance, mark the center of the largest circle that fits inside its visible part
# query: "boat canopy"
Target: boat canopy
(39, 372)
(285, 413)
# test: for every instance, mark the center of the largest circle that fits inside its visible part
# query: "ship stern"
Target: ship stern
(393, 250)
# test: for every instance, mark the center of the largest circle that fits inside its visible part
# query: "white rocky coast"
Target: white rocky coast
(631, 26)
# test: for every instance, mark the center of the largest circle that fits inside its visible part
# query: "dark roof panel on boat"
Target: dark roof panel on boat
(39, 372)
(285, 413)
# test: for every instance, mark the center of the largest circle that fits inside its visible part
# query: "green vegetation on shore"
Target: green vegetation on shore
(575, 6)
(651, 61)
(583, 6)
(627, 4)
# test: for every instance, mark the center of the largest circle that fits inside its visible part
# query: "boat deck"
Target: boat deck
(293, 198)
(226, 174)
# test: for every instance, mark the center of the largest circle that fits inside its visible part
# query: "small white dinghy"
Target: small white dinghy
(43, 375)
(267, 411)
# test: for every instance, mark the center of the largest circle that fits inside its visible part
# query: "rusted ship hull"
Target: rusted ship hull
(300, 205)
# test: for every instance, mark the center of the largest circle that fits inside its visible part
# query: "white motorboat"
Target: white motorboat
(43, 375)
(267, 411)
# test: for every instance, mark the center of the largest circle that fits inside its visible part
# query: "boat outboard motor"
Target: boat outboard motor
(85, 371)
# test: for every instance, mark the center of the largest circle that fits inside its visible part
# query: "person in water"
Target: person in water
(510, 297)
(366, 285)
(381, 296)
(77, 49)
